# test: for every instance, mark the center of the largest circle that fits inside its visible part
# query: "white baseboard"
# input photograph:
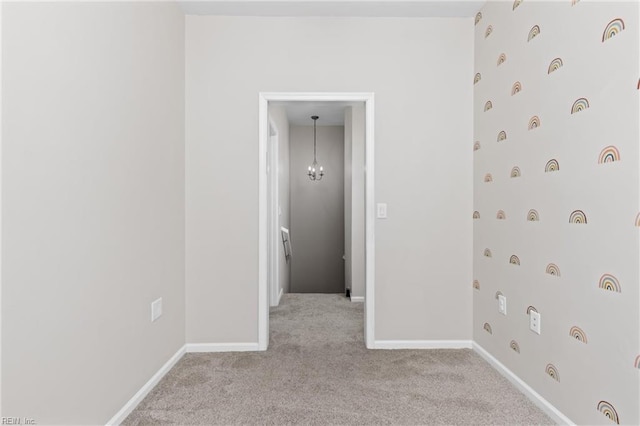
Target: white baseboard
(422, 344)
(221, 347)
(534, 396)
(144, 390)
(280, 295)
(153, 381)
(357, 299)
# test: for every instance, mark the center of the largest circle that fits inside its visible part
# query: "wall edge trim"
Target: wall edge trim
(357, 299)
(137, 398)
(222, 347)
(422, 344)
(548, 408)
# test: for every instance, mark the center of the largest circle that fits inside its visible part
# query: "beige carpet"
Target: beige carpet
(317, 371)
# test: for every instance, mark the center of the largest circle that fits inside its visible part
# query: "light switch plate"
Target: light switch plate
(382, 210)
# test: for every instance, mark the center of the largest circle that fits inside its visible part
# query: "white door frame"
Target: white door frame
(263, 226)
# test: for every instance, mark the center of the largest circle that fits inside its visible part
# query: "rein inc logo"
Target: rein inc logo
(17, 421)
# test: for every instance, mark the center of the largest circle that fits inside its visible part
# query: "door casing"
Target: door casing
(264, 225)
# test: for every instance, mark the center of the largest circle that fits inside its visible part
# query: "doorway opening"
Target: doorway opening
(273, 237)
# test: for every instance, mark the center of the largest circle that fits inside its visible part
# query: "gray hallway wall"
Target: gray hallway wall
(317, 211)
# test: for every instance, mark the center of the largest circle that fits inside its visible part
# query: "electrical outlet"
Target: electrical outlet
(502, 304)
(534, 322)
(156, 309)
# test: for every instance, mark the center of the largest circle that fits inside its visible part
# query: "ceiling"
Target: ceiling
(330, 113)
(355, 8)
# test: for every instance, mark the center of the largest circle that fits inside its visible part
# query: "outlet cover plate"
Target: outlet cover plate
(156, 309)
(502, 304)
(534, 321)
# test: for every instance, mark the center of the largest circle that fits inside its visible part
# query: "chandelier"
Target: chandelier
(314, 172)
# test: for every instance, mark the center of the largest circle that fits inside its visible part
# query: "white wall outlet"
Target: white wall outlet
(382, 210)
(534, 321)
(502, 304)
(156, 309)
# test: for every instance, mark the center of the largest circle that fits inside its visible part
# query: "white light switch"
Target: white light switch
(156, 309)
(382, 210)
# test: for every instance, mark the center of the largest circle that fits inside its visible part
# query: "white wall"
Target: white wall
(589, 344)
(348, 148)
(357, 201)
(354, 199)
(93, 204)
(420, 71)
(317, 211)
(279, 116)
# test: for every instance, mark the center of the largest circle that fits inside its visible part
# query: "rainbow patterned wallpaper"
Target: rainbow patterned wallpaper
(556, 200)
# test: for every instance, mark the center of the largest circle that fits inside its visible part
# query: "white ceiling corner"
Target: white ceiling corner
(335, 8)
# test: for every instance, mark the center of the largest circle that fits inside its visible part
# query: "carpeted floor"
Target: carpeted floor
(318, 371)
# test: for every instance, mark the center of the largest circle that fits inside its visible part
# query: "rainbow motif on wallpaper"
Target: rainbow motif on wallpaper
(476, 284)
(487, 253)
(502, 59)
(613, 28)
(487, 327)
(552, 269)
(501, 215)
(610, 283)
(488, 178)
(502, 136)
(609, 155)
(578, 216)
(552, 371)
(516, 3)
(609, 412)
(498, 293)
(476, 146)
(555, 65)
(574, 2)
(514, 260)
(488, 31)
(477, 78)
(636, 363)
(478, 17)
(515, 346)
(534, 123)
(533, 33)
(476, 214)
(578, 334)
(579, 105)
(638, 84)
(488, 106)
(638, 220)
(533, 216)
(515, 172)
(552, 166)
(517, 87)
(531, 309)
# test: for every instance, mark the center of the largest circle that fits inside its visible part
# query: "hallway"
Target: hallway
(318, 371)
